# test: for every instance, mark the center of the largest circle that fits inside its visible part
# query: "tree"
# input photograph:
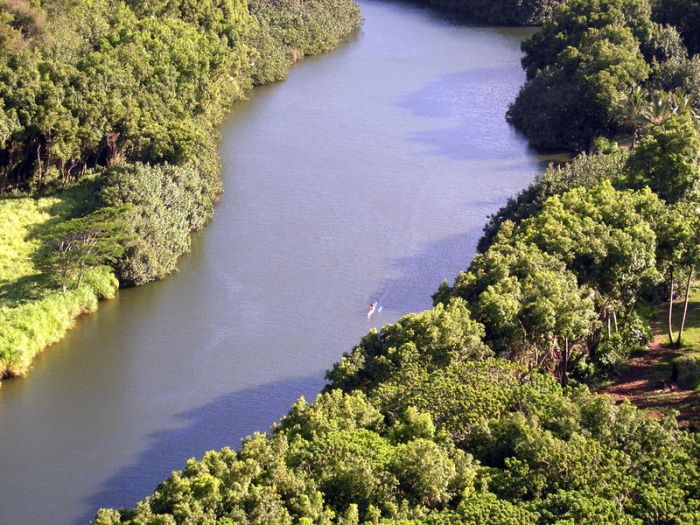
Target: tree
(583, 171)
(74, 246)
(529, 303)
(605, 237)
(685, 15)
(631, 110)
(667, 159)
(572, 20)
(429, 339)
(511, 12)
(572, 98)
(678, 234)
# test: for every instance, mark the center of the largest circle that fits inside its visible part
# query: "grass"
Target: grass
(33, 312)
(691, 335)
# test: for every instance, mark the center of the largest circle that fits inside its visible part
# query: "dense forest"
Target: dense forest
(109, 135)
(511, 12)
(482, 409)
(598, 68)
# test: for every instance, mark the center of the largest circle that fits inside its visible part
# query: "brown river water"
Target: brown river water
(367, 175)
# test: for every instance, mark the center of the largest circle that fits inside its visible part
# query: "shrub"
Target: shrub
(169, 202)
(686, 371)
(517, 12)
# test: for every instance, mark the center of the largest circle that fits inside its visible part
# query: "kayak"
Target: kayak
(372, 309)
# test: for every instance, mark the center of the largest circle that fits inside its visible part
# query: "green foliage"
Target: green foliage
(584, 59)
(531, 306)
(580, 508)
(583, 171)
(429, 339)
(309, 27)
(31, 326)
(686, 371)
(225, 18)
(180, 65)
(515, 12)
(504, 447)
(606, 237)
(574, 21)
(684, 14)
(587, 60)
(667, 159)
(73, 247)
(591, 67)
(678, 74)
(168, 202)
(33, 313)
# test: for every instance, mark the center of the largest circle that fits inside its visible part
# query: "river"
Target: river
(367, 175)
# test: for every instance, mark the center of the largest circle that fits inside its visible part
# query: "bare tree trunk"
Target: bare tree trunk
(565, 364)
(670, 309)
(614, 316)
(38, 161)
(685, 306)
(80, 277)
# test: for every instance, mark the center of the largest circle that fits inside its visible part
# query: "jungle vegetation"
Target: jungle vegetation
(597, 68)
(480, 410)
(510, 12)
(109, 122)
(476, 410)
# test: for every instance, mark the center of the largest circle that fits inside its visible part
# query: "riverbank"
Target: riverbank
(341, 187)
(480, 408)
(168, 197)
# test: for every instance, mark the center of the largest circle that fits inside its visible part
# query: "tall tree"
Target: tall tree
(667, 159)
(530, 304)
(73, 247)
(605, 236)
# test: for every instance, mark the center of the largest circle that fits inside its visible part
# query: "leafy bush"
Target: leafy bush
(168, 203)
(686, 371)
(667, 159)
(589, 57)
(311, 26)
(685, 14)
(502, 445)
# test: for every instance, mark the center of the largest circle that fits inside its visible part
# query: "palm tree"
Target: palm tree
(631, 109)
(660, 108)
(684, 103)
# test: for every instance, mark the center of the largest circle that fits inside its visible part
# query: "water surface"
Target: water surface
(367, 175)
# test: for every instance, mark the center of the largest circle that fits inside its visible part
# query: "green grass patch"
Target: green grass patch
(33, 312)
(691, 334)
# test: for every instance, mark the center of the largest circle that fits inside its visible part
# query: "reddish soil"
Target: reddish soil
(647, 384)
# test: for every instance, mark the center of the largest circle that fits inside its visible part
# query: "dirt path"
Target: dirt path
(646, 383)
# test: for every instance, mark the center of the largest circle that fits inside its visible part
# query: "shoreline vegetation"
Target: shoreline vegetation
(499, 12)
(483, 409)
(113, 109)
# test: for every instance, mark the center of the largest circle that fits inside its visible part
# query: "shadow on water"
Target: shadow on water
(463, 99)
(222, 422)
(411, 288)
